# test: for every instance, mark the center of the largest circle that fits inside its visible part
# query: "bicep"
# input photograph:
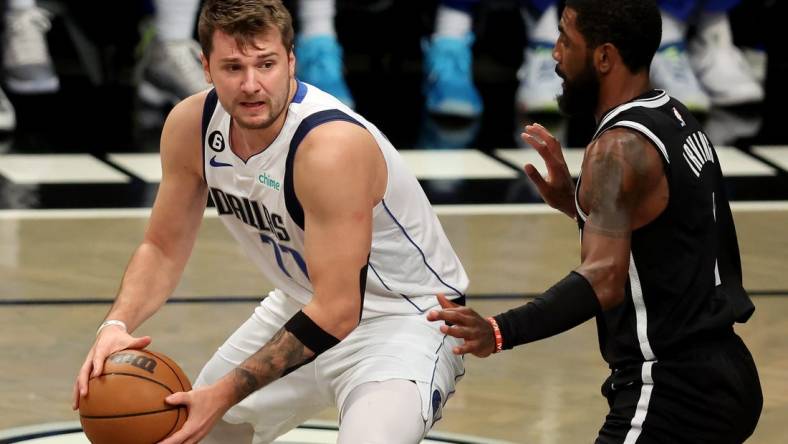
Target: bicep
(613, 185)
(338, 237)
(335, 181)
(182, 195)
(338, 217)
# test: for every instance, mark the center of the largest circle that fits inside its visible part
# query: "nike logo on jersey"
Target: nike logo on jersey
(215, 163)
(613, 385)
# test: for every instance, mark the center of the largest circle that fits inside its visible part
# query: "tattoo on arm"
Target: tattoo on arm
(281, 353)
(619, 171)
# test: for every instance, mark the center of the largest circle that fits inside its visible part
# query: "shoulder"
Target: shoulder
(181, 136)
(344, 156)
(619, 166)
(187, 114)
(336, 144)
(625, 146)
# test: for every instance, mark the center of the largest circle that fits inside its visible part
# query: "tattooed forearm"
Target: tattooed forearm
(246, 383)
(282, 352)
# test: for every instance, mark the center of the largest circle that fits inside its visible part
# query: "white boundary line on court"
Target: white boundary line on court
(70, 432)
(441, 210)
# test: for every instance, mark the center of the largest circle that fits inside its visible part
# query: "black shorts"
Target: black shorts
(707, 393)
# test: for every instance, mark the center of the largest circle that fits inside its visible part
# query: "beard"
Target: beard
(254, 123)
(276, 106)
(580, 95)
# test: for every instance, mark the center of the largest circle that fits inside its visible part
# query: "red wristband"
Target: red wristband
(497, 332)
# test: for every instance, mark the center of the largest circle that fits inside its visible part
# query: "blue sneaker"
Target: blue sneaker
(449, 79)
(319, 63)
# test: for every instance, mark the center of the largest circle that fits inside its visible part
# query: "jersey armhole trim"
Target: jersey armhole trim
(639, 127)
(309, 123)
(211, 99)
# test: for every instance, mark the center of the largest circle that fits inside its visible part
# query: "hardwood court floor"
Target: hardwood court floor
(546, 392)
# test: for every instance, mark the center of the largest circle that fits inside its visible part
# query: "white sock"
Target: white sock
(450, 22)
(544, 29)
(673, 29)
(175, 19)
(715, 29)
(21, 4)
(316, 17)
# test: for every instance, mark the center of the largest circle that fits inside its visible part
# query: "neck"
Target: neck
(618, 89)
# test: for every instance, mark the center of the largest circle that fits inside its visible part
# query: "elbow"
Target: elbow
(338, 323)
(609, 282)
(346, 326)
(611, 288)
(349, 318)
(336, 315)
(610, 296)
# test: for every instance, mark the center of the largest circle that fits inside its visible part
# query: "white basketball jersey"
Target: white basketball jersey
(411, 259)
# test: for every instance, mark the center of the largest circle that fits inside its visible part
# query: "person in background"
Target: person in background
(27, 65)
(707, 69)
(171, 68)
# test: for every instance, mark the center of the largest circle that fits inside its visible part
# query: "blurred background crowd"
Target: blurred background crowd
(82, 74)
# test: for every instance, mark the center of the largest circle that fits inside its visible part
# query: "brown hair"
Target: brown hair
(243, 20)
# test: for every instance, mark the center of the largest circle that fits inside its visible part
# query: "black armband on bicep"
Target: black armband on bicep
(565, 305)
(310, 334)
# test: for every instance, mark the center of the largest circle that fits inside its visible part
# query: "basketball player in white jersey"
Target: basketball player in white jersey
(324, 206)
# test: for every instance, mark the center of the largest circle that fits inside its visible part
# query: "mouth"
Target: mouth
(252, 105)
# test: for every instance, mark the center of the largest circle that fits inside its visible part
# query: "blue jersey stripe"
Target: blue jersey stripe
(389, 289)
(294, 207)
(423, 256)
(300, 92)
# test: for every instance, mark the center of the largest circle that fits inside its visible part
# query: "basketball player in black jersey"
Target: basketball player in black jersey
(660, 262)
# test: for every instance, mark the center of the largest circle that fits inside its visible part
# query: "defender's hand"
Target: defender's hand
(557, 189)
(466, 324)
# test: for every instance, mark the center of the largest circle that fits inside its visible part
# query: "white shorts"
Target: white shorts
(384, 348)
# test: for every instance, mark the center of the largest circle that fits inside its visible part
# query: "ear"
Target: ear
(205, 68)
(291, 61)
(605, 57)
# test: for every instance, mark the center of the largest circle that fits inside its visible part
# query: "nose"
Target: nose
(249, 84)
(556, 55)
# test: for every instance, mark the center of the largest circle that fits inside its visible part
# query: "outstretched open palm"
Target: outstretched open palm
(557, 189)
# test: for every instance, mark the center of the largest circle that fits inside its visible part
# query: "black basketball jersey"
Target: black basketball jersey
(685, 270)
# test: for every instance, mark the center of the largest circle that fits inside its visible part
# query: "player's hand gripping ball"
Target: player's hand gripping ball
(125, 404)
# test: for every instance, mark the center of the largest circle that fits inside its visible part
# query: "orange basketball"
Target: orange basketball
(125, 404)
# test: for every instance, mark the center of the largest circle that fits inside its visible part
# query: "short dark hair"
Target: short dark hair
(243, 20)
(634, 27)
